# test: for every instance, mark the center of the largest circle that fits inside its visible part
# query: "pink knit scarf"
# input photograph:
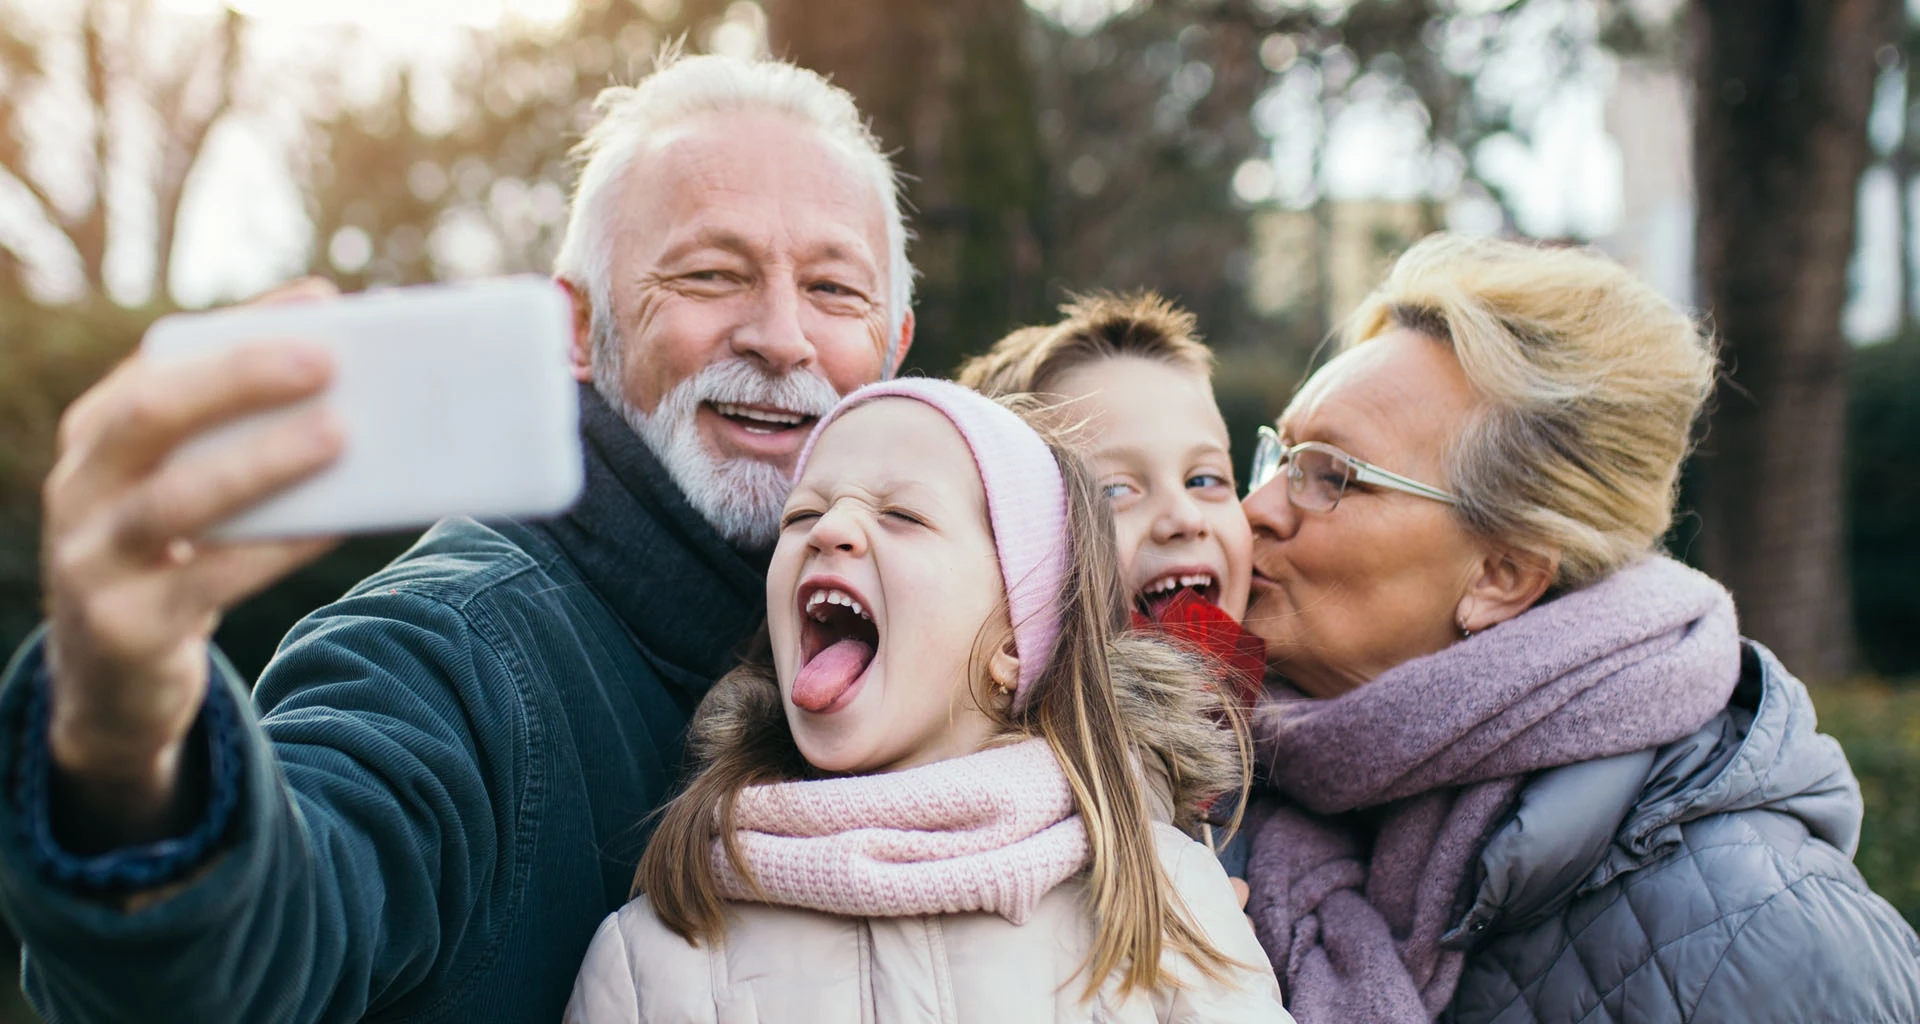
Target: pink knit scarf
(993, 831)
(1352, 908)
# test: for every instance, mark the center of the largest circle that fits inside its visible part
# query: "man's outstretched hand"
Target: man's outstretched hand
(132, 591)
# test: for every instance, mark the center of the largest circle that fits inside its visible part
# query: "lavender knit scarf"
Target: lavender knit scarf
(1351, 908)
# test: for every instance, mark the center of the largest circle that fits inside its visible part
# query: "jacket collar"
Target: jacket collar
(689, 597)
(1577, 828)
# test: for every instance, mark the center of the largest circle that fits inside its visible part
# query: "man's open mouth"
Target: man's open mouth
(1160, 591)
(762, 419)
(838, 639)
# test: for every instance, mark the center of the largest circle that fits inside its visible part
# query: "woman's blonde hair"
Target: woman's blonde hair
(1103, 325)
(1588, 382)
(1109, 703)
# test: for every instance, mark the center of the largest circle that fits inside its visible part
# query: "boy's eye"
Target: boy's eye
(904, 515)
(1200, 481)
(797, 517)
(1115, 490)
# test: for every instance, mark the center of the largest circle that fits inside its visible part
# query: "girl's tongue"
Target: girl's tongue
(827, 677)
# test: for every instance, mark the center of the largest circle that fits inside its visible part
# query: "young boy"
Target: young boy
(1134, 369)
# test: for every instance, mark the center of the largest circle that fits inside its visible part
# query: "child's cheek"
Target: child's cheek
(1131, 529)
(1236, 540)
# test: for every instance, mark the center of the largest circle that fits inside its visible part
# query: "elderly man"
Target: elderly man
(439, 795)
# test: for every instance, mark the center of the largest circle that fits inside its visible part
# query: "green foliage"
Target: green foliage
(47, 357)
(1883, 453)
(1879, 726)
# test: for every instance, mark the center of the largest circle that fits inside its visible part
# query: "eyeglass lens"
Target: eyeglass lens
(1316, 479)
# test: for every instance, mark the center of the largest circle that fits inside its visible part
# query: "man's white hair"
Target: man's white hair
(681, 88)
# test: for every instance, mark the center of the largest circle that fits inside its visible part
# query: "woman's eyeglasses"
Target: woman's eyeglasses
(1318, 474)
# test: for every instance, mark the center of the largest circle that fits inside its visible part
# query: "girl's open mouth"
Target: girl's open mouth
(838, 639)
(1153, 598)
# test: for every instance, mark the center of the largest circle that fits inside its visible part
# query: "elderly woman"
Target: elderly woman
(1521, 766)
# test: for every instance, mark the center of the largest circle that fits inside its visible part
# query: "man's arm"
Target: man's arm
(132, 590)
(369, 841)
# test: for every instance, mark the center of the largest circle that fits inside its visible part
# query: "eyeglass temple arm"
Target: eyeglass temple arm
(1368, 473)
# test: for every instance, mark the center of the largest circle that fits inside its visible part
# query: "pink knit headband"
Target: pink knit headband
(1026, 506)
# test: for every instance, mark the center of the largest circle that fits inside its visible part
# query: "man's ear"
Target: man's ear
(580, 355)
(902, 344)
(1509, 582)
(1004, 669)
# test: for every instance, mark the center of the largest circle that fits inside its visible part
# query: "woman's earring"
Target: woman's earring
(1465, 633)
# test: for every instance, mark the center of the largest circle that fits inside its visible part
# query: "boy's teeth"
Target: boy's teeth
(1169, 583)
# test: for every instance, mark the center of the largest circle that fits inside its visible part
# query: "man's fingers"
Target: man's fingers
(306, 289)
(192, 495)
(155, 408)
(222, 575)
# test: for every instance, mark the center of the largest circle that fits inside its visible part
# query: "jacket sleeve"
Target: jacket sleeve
(370, 842)
(1822, 949)
(606, 991)
(1249, 992)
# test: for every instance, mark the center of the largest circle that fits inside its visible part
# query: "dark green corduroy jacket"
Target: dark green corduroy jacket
(442, 777)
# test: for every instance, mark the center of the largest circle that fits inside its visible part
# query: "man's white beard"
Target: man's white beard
(741, 497)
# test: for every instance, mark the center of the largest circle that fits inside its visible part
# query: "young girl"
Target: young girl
(928, 808)
(1132, 369)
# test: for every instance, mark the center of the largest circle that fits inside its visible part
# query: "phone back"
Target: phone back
(455, 399)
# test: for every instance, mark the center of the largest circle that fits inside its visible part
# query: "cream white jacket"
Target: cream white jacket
(783, 965)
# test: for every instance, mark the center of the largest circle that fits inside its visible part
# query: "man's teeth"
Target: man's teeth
(1167, 584)
(839, 597)
(771, 417)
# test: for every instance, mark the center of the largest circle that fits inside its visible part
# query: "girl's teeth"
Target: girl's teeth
(845, 600)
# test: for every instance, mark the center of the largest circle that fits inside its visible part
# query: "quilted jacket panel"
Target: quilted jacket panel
(1726, 890)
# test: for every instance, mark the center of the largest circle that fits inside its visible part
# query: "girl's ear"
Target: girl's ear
(1004, 668)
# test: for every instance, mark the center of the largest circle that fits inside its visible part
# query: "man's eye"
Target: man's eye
(837, 290)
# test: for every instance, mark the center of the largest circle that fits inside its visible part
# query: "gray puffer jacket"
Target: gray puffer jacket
(1710, 880)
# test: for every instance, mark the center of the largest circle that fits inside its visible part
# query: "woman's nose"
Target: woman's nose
(838, 529)
(1269, 510)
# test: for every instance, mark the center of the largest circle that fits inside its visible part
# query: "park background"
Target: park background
(1261, 161)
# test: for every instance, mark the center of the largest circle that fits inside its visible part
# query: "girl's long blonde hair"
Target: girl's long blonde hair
(1113, 705)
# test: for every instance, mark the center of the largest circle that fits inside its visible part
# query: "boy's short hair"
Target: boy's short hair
(1103, 325)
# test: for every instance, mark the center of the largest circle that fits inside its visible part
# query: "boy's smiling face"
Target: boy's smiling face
(1159, 450)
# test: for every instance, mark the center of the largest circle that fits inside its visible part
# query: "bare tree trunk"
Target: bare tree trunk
(1782, 88)
(190, 124)
(949, 88)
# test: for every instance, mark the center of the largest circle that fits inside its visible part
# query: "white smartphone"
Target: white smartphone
(455, 399)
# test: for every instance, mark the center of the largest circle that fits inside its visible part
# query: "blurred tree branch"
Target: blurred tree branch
(186, 89)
